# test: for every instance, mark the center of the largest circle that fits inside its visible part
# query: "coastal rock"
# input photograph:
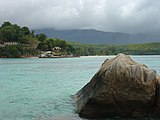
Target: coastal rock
(121, 87)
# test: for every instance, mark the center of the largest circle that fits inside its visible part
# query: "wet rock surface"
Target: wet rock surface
(121, 87)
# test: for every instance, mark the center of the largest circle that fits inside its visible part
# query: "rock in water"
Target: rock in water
(121, 87)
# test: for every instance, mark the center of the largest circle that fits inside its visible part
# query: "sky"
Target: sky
(131, 16)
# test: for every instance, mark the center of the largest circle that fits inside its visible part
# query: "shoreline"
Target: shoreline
(78, 56)
(68, 56)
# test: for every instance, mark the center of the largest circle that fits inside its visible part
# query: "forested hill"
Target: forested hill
(91, 36)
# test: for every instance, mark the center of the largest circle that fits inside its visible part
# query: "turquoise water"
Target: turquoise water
(37, 89)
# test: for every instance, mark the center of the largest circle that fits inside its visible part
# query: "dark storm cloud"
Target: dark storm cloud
(108, 15)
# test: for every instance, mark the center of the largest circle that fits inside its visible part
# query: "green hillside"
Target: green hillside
(17, 41)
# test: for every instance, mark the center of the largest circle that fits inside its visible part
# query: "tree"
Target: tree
(62, 44)
(70, 49)
(32, 33)
(6, 24)
(41, 37)
(25, 31)
(42, 46)
(32, 41)
(8, 33)
(12, 51)
(50, 43)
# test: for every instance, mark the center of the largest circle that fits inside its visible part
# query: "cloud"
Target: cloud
(108, 15)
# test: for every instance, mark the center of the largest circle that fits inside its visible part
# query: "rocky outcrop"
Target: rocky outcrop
(121, 87)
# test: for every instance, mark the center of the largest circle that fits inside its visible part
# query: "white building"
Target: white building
(10, 43)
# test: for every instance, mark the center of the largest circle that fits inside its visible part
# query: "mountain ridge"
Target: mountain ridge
(92, 36)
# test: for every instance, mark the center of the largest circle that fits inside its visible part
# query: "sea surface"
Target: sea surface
(43, 89)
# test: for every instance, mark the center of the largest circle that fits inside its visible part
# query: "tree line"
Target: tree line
(131, 49)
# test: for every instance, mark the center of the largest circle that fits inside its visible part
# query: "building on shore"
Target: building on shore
(3, 44)
(10, 43)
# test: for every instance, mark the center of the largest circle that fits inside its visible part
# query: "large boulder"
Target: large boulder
(121, 87)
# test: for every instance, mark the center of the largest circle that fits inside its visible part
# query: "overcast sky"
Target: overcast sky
(108, 15)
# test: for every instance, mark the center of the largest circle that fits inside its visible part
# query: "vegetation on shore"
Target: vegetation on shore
(131, 49)
(16, 41)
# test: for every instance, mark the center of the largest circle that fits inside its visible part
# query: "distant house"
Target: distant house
(10, 43)
(56, 48)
